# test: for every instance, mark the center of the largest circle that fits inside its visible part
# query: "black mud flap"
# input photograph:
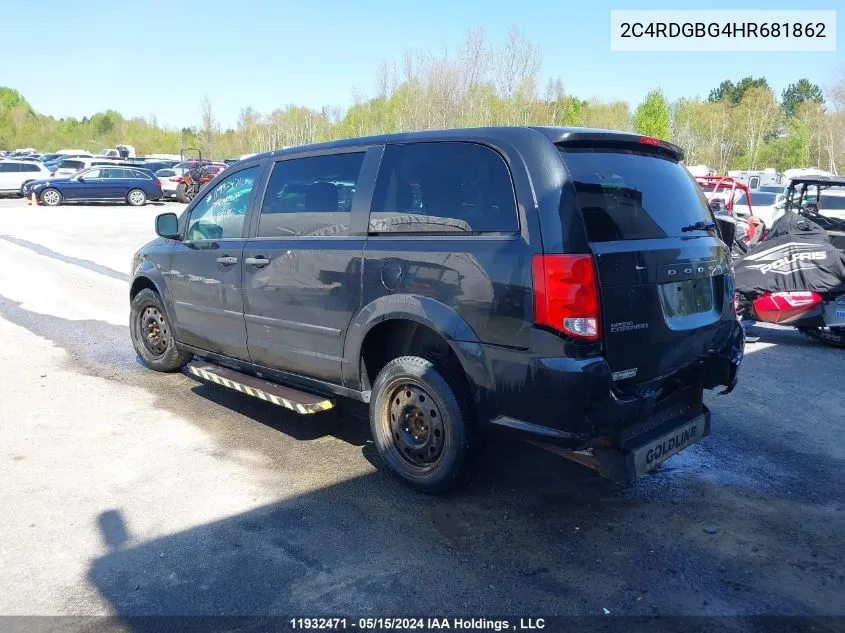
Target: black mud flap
(722, 366)
(641, 454)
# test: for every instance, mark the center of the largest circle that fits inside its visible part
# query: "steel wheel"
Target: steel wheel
(137, 198)
(414, 423)
(51, 197)
(154, 330)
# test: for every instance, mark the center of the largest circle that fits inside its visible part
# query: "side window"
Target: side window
(221, 212)
(310, 196)
(136, 173)
(9, 167)
(443, 187)
(29, 167)
(94, 173)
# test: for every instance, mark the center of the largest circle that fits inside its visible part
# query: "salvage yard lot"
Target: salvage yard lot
(131, 492)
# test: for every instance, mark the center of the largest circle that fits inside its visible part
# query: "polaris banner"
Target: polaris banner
(798, 256)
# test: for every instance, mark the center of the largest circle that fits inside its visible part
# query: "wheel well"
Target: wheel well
(139, 284)
(398, 337)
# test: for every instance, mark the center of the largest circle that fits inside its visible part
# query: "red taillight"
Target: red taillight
(779, 307)
(53, 175)
(566, 295)
(156, 183)
(647, 140)
(176, 179)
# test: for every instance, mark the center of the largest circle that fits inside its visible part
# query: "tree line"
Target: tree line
(742, 125)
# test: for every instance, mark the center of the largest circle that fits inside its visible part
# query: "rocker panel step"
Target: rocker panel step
(287, 397)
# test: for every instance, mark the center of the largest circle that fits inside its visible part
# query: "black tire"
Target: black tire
(152, 335)
(835, 337)
(136, 198)
(180, 193)
(51, 197)
(411, 396)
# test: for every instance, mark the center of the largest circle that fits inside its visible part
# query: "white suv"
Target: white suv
(14, 174)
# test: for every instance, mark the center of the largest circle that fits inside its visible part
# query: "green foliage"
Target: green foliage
(740, 125)
(651, 117)
(735, 92)
(800, 92)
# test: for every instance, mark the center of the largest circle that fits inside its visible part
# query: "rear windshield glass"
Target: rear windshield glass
(629, 195)
(831, 203)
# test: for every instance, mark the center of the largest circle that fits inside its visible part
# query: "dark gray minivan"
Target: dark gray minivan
(568, 284)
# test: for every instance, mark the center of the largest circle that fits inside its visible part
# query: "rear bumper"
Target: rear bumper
(575, 402)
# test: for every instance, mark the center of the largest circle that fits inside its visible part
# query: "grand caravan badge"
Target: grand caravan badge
(786, 259)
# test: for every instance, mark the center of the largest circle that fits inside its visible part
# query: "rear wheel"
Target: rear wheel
(51, 197)
(136, 198)
(185, 193)
(833, 336)
(420, 424)
(152, 335)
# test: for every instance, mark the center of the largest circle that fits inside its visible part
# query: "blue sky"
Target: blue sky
(67, 59)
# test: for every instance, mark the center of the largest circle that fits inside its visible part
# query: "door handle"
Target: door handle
(226, 260)
(258, 262)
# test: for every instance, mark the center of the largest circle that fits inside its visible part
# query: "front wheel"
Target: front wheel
(51, 197)
(420, 424)
(136, 198)
(152, 335)
(833, 336)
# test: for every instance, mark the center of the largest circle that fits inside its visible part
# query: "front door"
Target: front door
(206, 267)
(302, 270)
(87, 185)
(115, 183)
(10, 174)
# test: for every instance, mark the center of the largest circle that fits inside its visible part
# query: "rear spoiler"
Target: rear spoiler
(565, 138)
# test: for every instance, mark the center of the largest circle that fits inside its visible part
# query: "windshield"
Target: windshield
(630, 195)
(830, 202)
(758, 198)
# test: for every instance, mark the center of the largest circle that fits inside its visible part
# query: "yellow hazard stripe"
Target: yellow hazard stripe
(303, 409)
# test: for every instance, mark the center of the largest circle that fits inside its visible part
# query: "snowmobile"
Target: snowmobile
(796, 276)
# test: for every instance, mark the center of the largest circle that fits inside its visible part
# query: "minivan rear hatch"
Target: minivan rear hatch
(664, 280)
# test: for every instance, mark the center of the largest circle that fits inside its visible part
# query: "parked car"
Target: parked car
(15, 174)
(153, 165)
(766, 205)
(170, 177)
(568, 284)
(69, 166)
(34, 158)
(134, 186)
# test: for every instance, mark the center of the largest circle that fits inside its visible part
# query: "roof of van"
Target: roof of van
(573, 136)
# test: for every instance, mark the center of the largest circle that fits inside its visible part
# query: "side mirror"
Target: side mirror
(80, 179)
(167, 225)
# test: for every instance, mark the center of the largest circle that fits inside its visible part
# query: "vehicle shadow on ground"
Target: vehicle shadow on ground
(342, 422)
(531, 534)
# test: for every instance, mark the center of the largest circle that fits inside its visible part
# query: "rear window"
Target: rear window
(831, 203)
(762, 198)
(72, 164)
(630, 195)
(443, 187)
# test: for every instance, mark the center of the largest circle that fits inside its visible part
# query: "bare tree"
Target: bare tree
(517, 61)
(209, 129)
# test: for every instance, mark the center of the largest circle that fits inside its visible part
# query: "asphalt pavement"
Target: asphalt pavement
(129, 492)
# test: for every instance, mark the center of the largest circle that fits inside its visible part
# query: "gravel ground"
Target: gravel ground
(129, 492)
